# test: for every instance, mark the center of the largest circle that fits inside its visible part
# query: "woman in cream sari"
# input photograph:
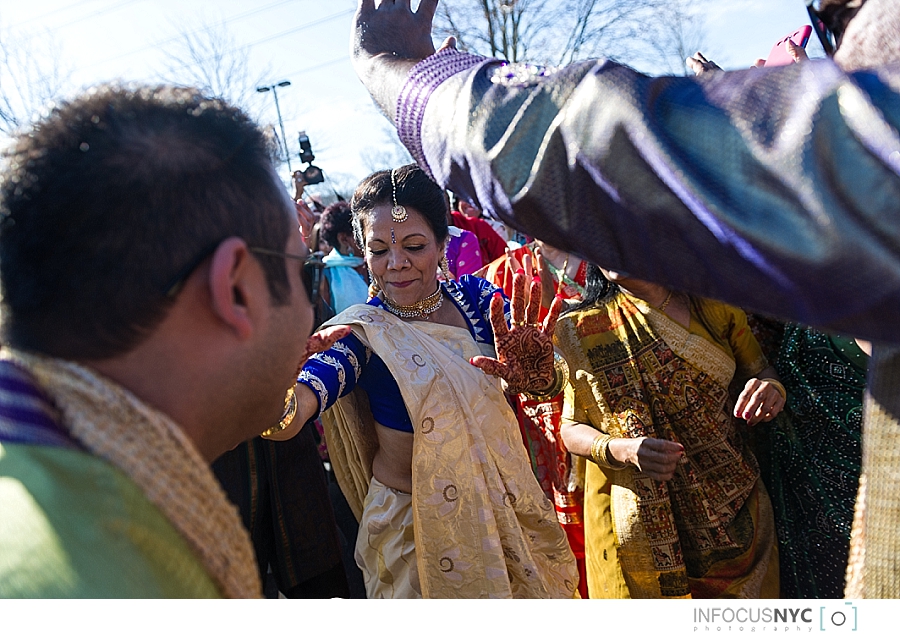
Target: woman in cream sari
(423, 442)
(674, 507)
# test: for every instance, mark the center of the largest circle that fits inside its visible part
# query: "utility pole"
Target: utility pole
(274, 88)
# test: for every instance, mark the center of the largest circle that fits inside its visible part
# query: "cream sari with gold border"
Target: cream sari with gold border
(483, 527)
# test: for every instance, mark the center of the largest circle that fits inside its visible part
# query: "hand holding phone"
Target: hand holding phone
(779, 55)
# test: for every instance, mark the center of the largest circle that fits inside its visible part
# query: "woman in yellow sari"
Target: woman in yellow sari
(674, 507)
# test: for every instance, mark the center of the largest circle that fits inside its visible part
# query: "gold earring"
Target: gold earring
(373, 285)
(445, 268)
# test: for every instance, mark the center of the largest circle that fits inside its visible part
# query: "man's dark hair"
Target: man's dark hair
(112, 199)
(335, 220)
(413, 188)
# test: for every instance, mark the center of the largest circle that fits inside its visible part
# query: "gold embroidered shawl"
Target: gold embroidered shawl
(154, 452)
(483, 527)
(638, 373)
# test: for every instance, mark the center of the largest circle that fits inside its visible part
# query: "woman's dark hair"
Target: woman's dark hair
(335, 220)
(414, 190)
(598, 290)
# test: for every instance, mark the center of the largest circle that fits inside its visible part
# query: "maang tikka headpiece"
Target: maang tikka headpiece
(398, 212)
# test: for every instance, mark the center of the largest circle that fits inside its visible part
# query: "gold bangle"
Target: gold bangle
(778, 386)
(560, 378)
(290, 410)
(598, 450)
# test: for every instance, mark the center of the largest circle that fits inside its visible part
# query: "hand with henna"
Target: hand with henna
(321, 341)
(307, 405)
(524, 351)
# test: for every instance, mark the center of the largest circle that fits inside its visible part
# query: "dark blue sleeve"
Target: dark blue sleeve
(334, 373)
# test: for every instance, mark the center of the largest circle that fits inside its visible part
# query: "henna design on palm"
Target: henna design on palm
(524, 351)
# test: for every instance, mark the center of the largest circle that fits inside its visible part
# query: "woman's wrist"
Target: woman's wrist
(557, 383)
(777, 385)
(601, 454)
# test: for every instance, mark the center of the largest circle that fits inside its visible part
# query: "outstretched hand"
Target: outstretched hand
(321, 341)
(525, 351)
(306, 402)
(386, 42)
(392, 29)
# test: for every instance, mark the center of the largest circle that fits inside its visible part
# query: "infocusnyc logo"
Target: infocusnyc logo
(820, 618)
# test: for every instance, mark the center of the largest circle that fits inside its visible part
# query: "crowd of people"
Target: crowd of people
(617, 348)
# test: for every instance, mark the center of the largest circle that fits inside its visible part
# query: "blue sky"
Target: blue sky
(306, 42)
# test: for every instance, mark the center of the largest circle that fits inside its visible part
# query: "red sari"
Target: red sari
(539, 423)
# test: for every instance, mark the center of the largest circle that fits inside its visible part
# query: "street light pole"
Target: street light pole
(274, 88)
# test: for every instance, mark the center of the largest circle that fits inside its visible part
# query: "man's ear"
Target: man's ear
(233, 285)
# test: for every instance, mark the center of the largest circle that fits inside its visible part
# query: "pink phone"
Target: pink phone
(779, 56)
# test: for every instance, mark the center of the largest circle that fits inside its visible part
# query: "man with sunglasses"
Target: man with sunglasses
(153, 318)
(771, 189)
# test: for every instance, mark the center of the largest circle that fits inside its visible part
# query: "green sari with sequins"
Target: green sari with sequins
(810, 459)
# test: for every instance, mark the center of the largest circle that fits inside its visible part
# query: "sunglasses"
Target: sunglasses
(311, 267)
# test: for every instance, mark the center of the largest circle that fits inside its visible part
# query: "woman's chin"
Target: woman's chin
(404, 295)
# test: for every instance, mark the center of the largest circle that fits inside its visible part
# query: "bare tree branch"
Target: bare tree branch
(32, 73)
(211, 59)
(679, 35)
(654, 33)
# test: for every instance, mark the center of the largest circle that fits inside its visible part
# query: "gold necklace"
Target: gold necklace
(662, 307)
(422, 308)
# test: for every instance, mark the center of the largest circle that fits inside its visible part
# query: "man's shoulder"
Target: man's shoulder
(74, 526)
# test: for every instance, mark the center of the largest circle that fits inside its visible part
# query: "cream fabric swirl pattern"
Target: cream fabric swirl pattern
(483, 527)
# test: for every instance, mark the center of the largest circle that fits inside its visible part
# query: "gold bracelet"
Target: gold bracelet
(290, 410)
(598, 450)
(778, 386)
(560, 378)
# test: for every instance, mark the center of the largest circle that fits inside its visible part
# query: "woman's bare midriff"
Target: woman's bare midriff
(392, 465)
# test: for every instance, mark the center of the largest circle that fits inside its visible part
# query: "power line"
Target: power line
(343, 58)
(108, 9)
(269, 38)
(49, 13)
(303, 27)
(234, 18)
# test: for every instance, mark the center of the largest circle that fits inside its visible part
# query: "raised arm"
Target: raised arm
(330, 360)
(759, 187)
(386, 43)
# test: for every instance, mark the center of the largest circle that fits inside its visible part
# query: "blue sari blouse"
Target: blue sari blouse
(349, 363)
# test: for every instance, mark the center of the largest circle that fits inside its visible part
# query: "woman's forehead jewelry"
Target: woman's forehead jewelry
(398, 212)
(393, 238)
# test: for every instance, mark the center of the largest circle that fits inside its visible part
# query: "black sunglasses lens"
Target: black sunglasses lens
(312, 277)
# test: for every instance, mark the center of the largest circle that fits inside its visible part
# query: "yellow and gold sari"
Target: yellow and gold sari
(483, 526)
(708, 532)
